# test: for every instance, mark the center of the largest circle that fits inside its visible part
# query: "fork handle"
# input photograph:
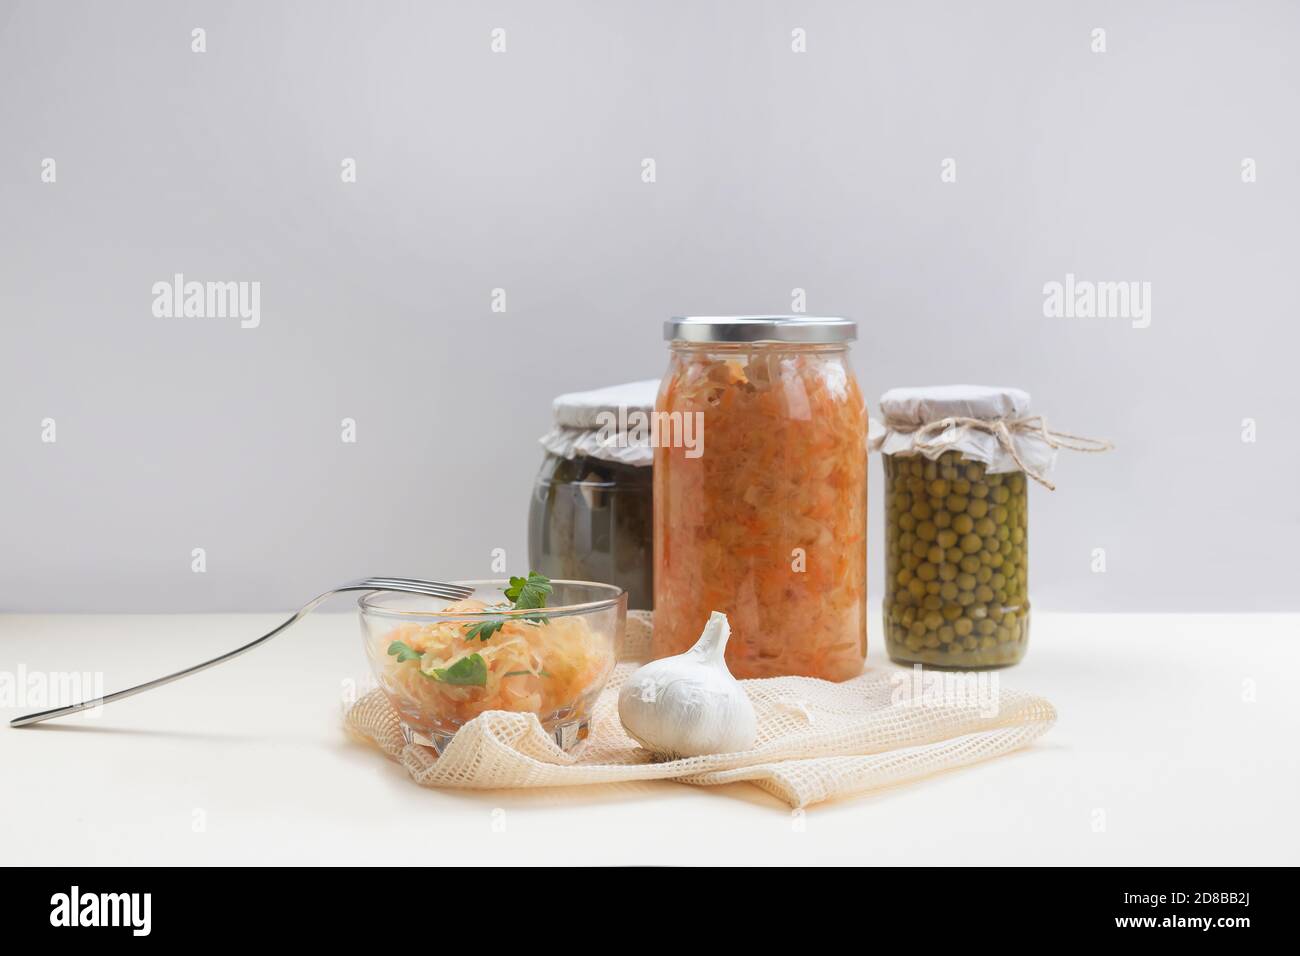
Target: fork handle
(76, 708)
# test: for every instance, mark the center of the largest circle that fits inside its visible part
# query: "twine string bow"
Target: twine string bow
(931, 435)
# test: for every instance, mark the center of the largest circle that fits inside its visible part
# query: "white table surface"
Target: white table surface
(1159, 742)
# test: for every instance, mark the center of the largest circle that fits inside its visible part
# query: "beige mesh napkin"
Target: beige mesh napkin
(816, 740)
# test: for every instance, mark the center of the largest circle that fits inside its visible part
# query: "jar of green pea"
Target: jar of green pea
(956, 523)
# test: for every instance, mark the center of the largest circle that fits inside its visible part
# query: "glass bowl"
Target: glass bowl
(442, 663)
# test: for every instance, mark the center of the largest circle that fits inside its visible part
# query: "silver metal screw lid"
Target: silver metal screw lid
(805, 329)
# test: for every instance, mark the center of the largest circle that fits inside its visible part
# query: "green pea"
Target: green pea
(955, 562)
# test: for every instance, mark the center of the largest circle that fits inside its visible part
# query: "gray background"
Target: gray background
(775, 171)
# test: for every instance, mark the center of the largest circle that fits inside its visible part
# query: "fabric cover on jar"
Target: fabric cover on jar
(582, 422)
(913, 423)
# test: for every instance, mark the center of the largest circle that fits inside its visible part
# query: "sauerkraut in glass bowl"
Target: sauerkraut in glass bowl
(442, 663)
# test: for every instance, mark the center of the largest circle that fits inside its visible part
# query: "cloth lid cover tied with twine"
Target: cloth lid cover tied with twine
(581, 417)
(983, 423)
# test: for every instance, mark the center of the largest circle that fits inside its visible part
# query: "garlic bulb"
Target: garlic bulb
(689, 705)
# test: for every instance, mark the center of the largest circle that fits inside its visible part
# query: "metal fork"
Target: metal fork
(453, 592)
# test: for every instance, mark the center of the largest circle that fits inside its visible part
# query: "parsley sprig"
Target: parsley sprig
(524, 594)
(403, 652)
(530, 592)
(469, 671)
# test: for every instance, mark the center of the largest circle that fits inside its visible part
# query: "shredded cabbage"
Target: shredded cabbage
(769, 524)
(552, 668)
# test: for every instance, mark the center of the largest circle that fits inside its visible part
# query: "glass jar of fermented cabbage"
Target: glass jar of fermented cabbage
(956, 578)
(763, 515)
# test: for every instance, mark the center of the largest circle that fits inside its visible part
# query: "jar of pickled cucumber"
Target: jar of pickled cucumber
(591, 513)
(958, 462)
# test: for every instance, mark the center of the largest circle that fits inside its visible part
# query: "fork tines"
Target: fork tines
(453, 592)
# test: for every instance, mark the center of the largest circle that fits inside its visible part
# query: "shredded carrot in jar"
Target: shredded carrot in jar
(768, 522)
